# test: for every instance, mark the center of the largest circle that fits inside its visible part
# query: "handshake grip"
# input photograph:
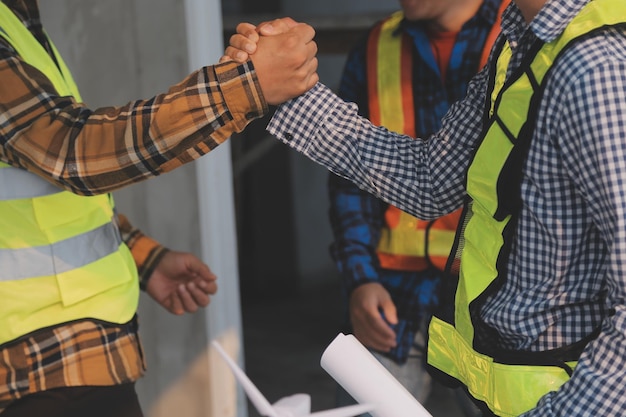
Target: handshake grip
(284, 56)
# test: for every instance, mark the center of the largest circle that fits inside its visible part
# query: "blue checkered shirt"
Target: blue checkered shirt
(567, 268)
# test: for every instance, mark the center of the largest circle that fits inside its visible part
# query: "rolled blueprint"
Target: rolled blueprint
(367, 380)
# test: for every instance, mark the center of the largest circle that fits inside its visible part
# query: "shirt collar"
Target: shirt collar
(549, 23)
(554, 16)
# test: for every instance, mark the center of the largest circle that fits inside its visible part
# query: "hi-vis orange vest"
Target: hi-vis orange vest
(406, 243)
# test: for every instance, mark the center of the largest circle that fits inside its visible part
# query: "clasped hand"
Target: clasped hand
(283, 53)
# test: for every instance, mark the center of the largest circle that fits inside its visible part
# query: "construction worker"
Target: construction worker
(536, 153)
(70, 267)
(403, 75)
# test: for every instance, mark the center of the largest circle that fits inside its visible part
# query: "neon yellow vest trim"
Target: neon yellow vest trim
(389, 89)
(508, 390)
(61, 254)
(404, 237)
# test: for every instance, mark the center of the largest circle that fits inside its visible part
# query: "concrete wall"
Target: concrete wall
(121, 50)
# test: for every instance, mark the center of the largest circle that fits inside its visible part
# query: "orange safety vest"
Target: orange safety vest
(406, 243)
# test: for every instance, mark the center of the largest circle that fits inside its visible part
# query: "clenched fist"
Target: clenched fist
(283, 53)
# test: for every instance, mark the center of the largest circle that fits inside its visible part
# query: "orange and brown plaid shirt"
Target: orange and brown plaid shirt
(92, 151)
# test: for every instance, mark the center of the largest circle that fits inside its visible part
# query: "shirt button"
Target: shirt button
(288, 137)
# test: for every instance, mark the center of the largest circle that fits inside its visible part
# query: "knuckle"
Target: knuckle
(291, 41)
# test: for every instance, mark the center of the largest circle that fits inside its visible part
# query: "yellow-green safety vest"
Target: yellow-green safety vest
(61, 255)
(506, 388)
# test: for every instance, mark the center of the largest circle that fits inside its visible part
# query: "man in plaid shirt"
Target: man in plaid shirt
(69, 278)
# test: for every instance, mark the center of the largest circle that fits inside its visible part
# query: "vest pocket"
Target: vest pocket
(95, 279)
(63, 215)
(107, 289)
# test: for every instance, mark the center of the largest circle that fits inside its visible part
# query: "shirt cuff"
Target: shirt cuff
(146, 252)
(296, 120)
(241, 91)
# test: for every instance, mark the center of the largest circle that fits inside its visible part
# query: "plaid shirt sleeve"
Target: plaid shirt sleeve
(146, 251)
(93, 151)
(356, 220)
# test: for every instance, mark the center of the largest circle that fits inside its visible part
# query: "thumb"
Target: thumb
(390, 312)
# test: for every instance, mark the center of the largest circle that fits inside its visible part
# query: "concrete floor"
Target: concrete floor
(284, 340)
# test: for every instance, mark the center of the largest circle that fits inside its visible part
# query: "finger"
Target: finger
(208, 287)
(308, 70)
(372, 330)
(310, 62)
(187, 301)
(389, 310)
(235, 54)
(380, 343)
(175, 307)
(200, 298)
(243, 43)
(304, 31)
(311, 47)
(371, 338)
(380, 328)
(313, 77)
(382, 336)
(248, 30)
(199, 270)
(240, 47)
(276, 26)
(224, 58)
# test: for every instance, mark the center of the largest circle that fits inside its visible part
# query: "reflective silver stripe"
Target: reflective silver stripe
(59, 257)
(16, 183)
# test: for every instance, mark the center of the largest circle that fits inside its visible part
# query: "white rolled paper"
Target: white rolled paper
(367, 380)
